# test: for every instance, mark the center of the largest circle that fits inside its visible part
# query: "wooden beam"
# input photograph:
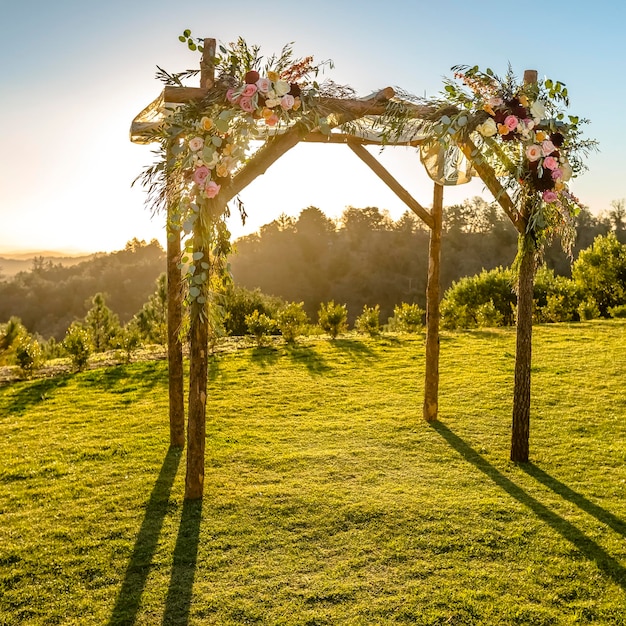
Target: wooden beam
(317, 137)
(488, 176)
(391, 182)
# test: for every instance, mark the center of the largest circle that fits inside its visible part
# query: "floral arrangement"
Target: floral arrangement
(204, 143)
(521, 130)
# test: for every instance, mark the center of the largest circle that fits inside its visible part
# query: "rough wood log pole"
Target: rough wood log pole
(520, 431)
(431, 378)
(199, 343)
(174, 343)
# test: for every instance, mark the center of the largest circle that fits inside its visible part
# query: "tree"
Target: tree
(101, 324)
(333, 318)
(151, 321)
(600, 271)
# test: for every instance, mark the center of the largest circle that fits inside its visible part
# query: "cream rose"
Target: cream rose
(488, 128)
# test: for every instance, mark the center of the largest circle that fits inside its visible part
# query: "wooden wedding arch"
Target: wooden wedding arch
(342, 110)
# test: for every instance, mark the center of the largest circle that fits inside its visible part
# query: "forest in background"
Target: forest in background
(364, 258)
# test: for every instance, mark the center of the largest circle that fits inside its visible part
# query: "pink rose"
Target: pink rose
(195, 144)
(264, 85)
(511, 122)
(272, 120)
(232, 96)
(249, 91)
(201, 174)
(212, 189)
(533, 153)
(557, 173)
(547, 147)
(247, 105)
(550, 196)
(287, 102)
(550, 163)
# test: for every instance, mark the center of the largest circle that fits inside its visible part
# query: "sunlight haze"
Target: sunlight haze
(75, 74)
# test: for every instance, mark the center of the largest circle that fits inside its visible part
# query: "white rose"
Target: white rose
(488, 128)
(566, 170)
(281, 87)
(537, 110)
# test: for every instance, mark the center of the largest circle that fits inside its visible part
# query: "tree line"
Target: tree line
(368, 259)
(289, 275)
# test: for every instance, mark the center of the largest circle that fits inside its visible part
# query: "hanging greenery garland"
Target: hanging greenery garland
(203, 144)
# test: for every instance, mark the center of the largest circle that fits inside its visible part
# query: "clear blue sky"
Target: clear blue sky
(75, 73)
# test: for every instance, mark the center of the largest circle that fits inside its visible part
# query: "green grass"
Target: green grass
(328, 499)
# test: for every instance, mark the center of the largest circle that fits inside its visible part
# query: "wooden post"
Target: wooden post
(174, 343)
(520, 430)
(199, 340)
(431, 386)
(198, 370)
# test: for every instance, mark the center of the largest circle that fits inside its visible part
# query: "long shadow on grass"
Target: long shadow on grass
(602, 515)
(353, 347)
(606, 563)
(129, 597)
(178, 602)
(123, 378)
(307, 356)
(33, 393)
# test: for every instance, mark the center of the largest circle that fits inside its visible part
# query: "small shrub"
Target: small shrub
(292, 321)
(368, 323)
(473, 300)
(617, 311)
(260, 325)
(333, 318)
(408, 318)
(588, 310)
(29, 355)
(487, 316)
(128, 339)
(77, 345)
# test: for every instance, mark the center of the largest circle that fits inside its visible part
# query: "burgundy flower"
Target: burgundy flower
(557, 139)
(251, 77)
(295, 90)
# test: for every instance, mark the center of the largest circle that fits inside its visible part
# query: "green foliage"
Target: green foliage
(556, 298)
(240, 302)
(407, 318)
(151, 321)
(600, 272)
(77, 344)
(260, 325)
(478, 300)
(368, 323)
(618, 311)
(127, 340)
(102, 324)
(292, 321)
(588, 310)
(12, 334)
(29, 355)
(333, 318)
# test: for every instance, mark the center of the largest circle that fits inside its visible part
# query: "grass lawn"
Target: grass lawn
(328, 500)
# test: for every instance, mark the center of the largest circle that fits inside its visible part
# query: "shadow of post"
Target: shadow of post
(129, 597)
(567, 493)
(591, 550)
(179, 594)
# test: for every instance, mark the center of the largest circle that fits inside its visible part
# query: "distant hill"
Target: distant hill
(12, 264)
(53, 291)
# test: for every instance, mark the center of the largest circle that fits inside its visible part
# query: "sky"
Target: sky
(75, 73)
